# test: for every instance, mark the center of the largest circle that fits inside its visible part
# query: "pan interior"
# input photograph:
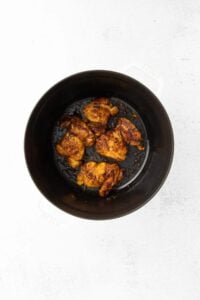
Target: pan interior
(131, 166)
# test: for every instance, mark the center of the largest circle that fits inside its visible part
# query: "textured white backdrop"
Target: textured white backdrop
(153, 253)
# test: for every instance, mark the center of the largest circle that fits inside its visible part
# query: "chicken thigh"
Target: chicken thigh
(101, 175)
(130, 133)
(72, 148)
(80, 129)
(112, 145)
(99, 110)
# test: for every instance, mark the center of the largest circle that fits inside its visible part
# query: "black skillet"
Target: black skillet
(58, 185)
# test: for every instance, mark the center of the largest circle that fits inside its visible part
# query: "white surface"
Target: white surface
(153, 253)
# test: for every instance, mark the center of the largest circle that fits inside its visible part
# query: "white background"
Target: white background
(153, 253)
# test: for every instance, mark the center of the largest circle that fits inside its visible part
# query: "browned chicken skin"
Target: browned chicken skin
(100, 110)
(80, 129)
(97, 128)
(130, 133)
(111, 144)
(113, 175)
(72, 148)
(101, 175)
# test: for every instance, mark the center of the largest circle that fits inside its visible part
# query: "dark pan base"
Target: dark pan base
(40, 155)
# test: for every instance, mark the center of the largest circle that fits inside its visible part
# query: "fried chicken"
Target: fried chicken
(72, 148)
(99, 110)
(111, 144)
(80, 129)
(97, 128)
(130, 133)
(113, 175)
(101, 175)
(91, 174)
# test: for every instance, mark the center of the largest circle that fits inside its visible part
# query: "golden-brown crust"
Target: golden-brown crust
(72, 148)
(97, 128)
(113, 175)
(101, 175)
(130, 133)
(99, 110)
(91, 174)
(111, 144)
(80, 129)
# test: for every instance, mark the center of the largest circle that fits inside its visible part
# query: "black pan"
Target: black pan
(154, 163)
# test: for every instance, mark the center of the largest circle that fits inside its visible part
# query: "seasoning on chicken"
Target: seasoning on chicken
(130, 133)
(80, 129)
(113, 175)
(97, 128)
(91, 174)
(101, 175)
(72, 148)
(100, 110)
(111, 144)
